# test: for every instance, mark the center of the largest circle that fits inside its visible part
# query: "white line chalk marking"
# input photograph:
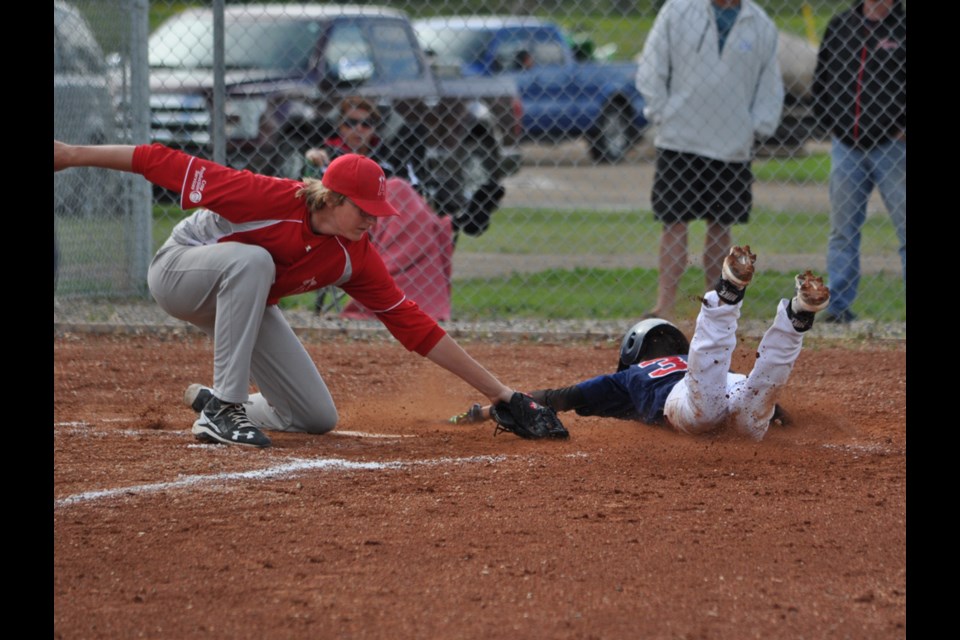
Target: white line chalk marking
(287, 469)
(91, 430)
(361, 434)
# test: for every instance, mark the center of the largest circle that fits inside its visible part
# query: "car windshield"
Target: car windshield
(451, 43)
(249, 43)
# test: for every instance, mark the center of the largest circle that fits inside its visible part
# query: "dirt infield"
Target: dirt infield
(401, 525)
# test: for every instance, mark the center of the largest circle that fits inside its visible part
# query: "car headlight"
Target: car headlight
(243, 117)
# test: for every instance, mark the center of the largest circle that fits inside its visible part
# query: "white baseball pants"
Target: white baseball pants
(709, 396)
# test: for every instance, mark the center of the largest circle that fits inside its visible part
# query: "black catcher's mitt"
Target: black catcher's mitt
(524, 417)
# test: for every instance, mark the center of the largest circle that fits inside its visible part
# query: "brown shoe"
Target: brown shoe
(738, 266)
(812, 294)
(736, 275)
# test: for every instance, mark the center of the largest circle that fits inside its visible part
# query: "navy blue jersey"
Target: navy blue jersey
(639, 392)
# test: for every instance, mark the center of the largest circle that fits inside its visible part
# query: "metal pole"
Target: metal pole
(218, 121)
(141, 193)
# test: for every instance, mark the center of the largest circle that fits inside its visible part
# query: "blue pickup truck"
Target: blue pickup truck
(564, 96)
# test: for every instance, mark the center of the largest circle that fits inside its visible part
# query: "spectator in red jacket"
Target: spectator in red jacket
(254, 240)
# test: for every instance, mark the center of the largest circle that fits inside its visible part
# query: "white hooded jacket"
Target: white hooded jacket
(703, 101)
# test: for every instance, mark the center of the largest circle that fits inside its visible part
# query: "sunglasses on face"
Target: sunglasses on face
(355, 123)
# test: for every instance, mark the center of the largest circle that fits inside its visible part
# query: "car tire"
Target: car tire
(614, 134)
(482, 191)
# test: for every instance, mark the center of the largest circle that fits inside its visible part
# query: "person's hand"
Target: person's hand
(317, 157)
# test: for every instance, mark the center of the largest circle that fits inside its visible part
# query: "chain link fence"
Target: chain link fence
(520, 129)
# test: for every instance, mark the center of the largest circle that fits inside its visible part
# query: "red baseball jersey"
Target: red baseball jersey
(240, 206)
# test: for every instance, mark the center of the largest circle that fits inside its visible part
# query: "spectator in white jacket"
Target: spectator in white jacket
(712, 85)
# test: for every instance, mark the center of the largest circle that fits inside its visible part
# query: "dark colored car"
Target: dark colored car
(288, 67)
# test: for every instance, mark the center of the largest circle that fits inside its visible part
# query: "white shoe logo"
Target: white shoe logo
(248, 435)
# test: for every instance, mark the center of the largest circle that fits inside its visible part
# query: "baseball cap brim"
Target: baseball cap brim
(379, 208)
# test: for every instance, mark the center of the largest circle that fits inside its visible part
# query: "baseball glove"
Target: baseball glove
(524, 417)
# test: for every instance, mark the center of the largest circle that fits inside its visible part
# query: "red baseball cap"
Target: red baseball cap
(362, 180)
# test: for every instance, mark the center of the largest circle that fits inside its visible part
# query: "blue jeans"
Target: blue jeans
(853, 175)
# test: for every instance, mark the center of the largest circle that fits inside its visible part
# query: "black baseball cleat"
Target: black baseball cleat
(737, 273)
(197, 396)
(226, 423)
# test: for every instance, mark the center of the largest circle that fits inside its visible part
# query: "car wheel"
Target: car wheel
(481, 191)
(482, 161)
(475, 173)
(613, 136)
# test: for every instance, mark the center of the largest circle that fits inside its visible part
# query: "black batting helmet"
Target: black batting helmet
(651, 338)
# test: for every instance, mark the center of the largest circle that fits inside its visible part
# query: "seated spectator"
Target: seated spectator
(523, 60)
(417, 247)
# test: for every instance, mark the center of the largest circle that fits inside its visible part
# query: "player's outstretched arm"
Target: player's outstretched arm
(451, 356)
(107, 156)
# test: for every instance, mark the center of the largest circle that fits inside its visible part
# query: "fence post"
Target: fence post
(139, 190)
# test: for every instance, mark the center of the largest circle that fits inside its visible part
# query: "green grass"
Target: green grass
(611, 294)
(619, 292)
(547, 232)
(811, 169)
(94, 256)
(628, 34)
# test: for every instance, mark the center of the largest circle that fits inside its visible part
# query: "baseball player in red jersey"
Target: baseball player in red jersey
(254, 240)
(663, 378)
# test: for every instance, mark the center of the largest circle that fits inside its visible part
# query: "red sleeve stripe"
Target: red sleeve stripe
(183, 187)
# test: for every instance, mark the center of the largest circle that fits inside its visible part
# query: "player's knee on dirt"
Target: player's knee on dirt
(321, 426)
(316, 417)
(693, 428)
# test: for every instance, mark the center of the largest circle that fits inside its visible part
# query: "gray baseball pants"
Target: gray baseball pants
(222, 289)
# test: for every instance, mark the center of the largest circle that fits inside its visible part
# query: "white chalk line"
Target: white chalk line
(295, 466)
(88, 429)
(362, 434)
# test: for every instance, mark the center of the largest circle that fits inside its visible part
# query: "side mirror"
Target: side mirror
(353, 71)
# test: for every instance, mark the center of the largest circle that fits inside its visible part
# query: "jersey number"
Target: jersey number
(665, 366)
